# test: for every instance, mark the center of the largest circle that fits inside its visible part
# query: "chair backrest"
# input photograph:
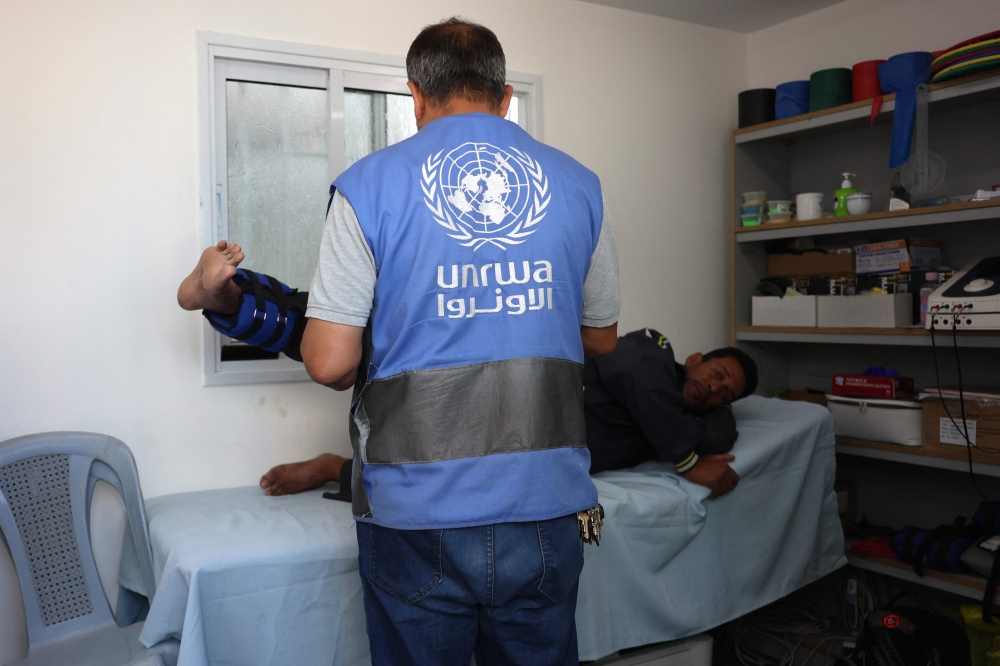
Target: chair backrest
(46, 486)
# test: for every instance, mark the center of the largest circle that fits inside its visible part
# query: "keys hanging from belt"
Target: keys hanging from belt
(590, 522)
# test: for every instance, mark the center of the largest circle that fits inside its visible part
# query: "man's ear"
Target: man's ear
(419, 103)
(693, 360)
(508, 92)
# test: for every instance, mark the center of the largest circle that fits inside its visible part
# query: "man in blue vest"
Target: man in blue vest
(464, 274)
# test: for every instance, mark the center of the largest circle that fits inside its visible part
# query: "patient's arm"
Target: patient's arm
(713, 472)
(720, 431)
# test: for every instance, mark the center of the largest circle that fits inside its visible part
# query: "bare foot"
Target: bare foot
(299, 477)
(210, 285)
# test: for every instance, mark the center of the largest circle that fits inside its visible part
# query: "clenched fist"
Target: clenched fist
(713, 472)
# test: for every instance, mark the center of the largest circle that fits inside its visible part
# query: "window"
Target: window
(279, 122)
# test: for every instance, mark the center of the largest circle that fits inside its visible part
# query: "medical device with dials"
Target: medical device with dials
(969, 300)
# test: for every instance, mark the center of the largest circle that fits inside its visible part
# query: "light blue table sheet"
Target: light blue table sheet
(672, 564)
(247, 580)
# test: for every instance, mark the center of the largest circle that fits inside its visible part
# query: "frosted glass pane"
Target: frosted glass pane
(375, 120)
(278, 168)
(399, 119)
(358, 125)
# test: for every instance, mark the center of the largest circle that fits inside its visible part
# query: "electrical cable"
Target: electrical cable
(853, 615)
(789, 625)
(964, 431)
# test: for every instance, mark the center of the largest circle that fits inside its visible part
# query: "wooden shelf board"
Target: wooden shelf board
(965, 585)
(846, 331)
(913, 337)
(949, 213)
(985, 464)
(866, 331)
(859, 112)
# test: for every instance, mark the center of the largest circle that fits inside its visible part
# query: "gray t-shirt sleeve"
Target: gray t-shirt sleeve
(343, 287)
(601, 296)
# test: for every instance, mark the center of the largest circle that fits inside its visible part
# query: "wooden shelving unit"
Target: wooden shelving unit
(809, 153)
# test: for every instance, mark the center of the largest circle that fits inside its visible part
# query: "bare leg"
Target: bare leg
(298, 477)
(210, 285)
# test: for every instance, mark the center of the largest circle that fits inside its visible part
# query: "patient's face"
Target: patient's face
(712, 382)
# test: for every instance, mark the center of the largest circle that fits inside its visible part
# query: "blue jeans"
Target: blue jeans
(506, 593)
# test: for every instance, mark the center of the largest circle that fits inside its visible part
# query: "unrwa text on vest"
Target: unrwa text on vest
(517, 303)
(543, 273)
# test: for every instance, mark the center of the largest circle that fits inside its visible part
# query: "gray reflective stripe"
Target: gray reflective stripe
(525, 404)
(360, 505)
(359, 494)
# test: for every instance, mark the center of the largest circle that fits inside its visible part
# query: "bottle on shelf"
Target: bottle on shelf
(899, 198)
(926, 289)
(846, 189)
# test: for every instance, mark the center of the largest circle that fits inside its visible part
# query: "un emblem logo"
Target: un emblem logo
(485, 195)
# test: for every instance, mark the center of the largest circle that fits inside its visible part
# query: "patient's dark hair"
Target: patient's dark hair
(458, 57)
(747, 363)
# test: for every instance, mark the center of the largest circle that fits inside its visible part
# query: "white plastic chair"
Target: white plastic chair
(46, 486)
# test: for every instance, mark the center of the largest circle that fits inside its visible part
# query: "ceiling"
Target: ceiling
(736, 15)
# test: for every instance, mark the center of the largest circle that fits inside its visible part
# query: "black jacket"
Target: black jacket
(634, 407)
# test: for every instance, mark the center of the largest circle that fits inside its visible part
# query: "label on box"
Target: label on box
(863, 386)
(949, 434)
(887, 257)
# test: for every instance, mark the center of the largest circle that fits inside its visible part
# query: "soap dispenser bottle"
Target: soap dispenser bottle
(845, 189)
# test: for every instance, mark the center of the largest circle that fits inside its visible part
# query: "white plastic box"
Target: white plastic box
(879, 311)
(786, 311)
(893, 421)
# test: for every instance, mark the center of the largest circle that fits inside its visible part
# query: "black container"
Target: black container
(756, 106)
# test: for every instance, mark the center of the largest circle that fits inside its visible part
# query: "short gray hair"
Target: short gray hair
(458, 58)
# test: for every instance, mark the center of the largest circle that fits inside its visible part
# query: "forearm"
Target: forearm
(672, 433)
(720, 431)
(599, 341)
(331, 353)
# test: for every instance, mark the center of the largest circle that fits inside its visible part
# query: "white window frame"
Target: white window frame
(265, 58)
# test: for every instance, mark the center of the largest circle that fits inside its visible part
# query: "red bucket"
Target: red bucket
(864, 80)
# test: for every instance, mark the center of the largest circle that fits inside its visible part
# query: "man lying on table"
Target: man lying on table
(639, 403)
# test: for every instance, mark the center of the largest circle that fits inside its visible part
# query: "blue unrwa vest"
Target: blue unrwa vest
(472, 409)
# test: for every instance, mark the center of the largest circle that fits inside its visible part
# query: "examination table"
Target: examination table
(246, 580)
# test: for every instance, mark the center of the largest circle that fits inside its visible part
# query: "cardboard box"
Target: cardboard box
(879, 311)
(810, 264)
(847, 501)
(863, 386)
(925, 254)
(785, 311)
(940, 437)
(898, 256)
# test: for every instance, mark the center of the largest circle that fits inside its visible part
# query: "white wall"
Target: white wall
(857, 30)
(99, 203)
